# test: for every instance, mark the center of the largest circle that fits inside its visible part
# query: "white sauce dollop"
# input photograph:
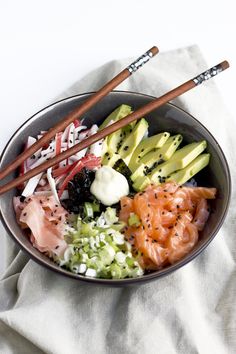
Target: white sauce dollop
(109, 186)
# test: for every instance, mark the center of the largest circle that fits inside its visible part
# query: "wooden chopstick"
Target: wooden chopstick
(188, 85)
(79, 111)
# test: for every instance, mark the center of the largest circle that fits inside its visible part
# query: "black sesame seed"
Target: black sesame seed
(56, 247)
(24, 214)
(70, 141)
(126, 147)
(177, 206)
(142, 150)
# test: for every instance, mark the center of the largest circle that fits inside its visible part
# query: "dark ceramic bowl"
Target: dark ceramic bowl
(167, 118)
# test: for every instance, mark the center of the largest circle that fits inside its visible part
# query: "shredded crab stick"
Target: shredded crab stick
(89, 161)
(170, 218)
(57, 178)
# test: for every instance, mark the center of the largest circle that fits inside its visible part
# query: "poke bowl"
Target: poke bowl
(104, 242)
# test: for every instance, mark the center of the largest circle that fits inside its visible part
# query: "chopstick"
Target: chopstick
(139, 113)
(79, 111)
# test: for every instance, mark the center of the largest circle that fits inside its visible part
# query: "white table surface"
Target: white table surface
(46, 46)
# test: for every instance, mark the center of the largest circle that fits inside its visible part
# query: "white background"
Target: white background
(47, 45)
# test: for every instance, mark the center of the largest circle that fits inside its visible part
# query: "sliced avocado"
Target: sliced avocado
(141, 183)
(192, 169)
(111, 142)
(179, 160)
(110, 158)
(132, 140)
(157, 156)
(146, 145)
(118, 113)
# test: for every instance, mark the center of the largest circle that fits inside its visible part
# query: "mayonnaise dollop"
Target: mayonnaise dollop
(109, 186)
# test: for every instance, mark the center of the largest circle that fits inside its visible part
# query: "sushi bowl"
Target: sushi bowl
(167, 118)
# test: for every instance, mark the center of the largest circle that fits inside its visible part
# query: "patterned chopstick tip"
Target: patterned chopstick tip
(138, 63)
(208, 74)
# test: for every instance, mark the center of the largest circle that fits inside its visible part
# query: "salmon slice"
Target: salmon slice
(196, 193)
(127, 208)
(182, 244)
(151, 249)
(201, 215)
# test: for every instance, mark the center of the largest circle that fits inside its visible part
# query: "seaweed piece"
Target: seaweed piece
(120, 166)
(79, 191)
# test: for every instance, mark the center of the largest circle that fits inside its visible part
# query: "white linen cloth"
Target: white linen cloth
(191, 311)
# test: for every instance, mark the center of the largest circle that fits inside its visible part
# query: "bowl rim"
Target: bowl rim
(127, 281)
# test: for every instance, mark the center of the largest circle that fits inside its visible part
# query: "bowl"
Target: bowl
(166, 118)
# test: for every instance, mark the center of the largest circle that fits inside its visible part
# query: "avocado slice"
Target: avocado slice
(179, 160)
(110, 158)
(157, 156)
(146, 145)
(119, 113)
(132, 140)
(111, 142)
(192, 169)
(141, 183)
